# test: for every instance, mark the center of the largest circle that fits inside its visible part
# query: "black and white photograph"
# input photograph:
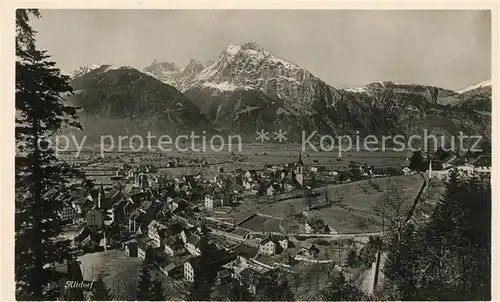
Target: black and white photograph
(252, 154)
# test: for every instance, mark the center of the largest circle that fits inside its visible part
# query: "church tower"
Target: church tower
(429, 171)
(299, 170)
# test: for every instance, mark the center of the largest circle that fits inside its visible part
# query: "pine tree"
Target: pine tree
(100, 292)
(352, 258)
(239, 292)
(417, 162)
(274, 287)
(40, 113)
(400, 268)
(204, 278)
(309, 198)
(439, 238)
(144, 284)
(339, 289)
(448, 257)
(157, 293)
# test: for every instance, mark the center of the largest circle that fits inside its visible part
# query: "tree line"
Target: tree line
(447, 257)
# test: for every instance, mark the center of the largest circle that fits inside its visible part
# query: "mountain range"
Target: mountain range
(246, 88)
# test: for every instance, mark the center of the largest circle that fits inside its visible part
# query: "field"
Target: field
(255, 156)
(357, 203)
(120, 273)
(260, 223)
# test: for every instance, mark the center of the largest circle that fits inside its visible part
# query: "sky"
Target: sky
(345, 48)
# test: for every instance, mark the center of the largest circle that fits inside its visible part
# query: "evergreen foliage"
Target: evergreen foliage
(40, 113)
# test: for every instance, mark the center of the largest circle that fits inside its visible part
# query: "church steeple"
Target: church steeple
(430, 169)
(300, 162)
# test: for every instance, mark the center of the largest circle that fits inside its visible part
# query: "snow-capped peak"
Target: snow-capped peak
(233, 49)
(91, 67)
(478, 85)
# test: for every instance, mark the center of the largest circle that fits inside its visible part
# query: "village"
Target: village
(137, 208)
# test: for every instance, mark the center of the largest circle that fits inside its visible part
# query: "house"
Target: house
(167, 268)
(147, 208)
(98, 195)
(137, 220)
(113, 196)
(82, 234)
(192, 244)
(106, 241)
(159, 239)
(190, 268)
(247, 184)
(95, 219)
(315, 225)
(223, 276)
(251, 277)
(174, 246)
(436, 170)
(309, 249)
(272, 245)
(209, 202)
(122, 210)
(246, 251)
(482, 164)
(177, 204)
(251, 174)
(143, 248)
(406, 171)
(288, 187)
(333, 173)
(298, 172)
(317, 168)
(67, 213)
(91, 242)
(273, 189)
(218, 258)
(153, 227)
(190, 180)
(185, 233)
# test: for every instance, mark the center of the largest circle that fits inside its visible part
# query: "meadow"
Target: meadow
(357, 202)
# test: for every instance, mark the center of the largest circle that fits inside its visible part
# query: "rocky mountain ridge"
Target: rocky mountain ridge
(248, 88)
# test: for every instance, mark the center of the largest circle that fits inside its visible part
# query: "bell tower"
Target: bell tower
(299, 170)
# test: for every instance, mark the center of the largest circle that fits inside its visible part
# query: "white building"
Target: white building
(209, 202)
(67, 213)
(189, 270)
(95, 219)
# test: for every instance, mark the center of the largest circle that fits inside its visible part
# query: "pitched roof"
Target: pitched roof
(316, 223)
(272, 237)
(193, 239)
(482, 161)
(246, 251)
(217, 259)
(436, 165)
(174, 242)
(162, 233)
(145, 205)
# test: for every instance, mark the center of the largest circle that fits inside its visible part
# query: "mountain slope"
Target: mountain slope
(126, 101)
(170, 74)
(249, 85)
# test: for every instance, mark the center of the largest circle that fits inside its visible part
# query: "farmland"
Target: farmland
(357, 202)
(253, 156)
